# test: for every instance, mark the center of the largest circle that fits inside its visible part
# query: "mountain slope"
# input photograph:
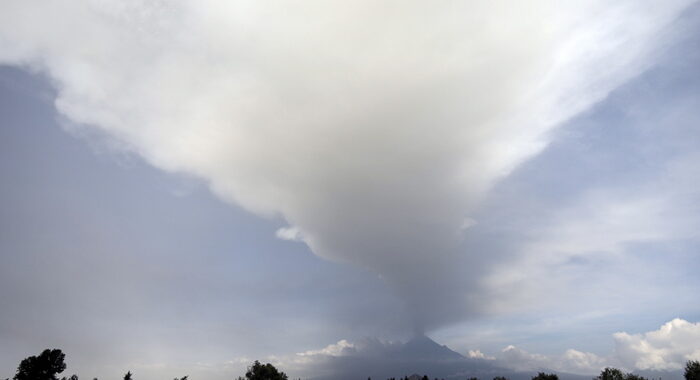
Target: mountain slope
(424, 348)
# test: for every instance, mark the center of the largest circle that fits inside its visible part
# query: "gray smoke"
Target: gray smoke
(372, 128)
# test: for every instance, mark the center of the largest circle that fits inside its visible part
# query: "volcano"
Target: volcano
(423, 348)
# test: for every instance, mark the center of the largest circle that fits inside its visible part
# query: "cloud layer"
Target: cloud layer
(373, 130)
(665, 351)
(667, 348)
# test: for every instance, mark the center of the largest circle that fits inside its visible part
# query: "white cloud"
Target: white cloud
(477, 354)
(571, 361)
(289, 233)
(343, 347)
(667, 348)
(574, 361)
(521, 360)
(373, 129)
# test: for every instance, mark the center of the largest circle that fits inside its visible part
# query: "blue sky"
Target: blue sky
(469, 173)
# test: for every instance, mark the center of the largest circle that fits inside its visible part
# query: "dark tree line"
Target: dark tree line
(692, 372)
(51, 362)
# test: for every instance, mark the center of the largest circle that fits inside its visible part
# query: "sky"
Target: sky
(189, 186)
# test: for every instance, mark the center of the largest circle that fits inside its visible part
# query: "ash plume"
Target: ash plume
(372, 128)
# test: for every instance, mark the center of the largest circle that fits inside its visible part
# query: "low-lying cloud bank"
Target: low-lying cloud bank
(661, 352)
(665, 349)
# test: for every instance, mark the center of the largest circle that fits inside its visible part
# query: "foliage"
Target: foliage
(611, 374)
(546, 376)
(631, 376)
(267, 371)
(499, 378)
(43, 367)
(692, 370)
(615, 374)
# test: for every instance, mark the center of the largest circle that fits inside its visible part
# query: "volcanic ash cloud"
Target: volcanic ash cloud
(372, 128)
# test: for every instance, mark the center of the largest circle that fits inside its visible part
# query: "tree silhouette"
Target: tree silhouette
(43, 367)
(615, 374)
(499, 378)
(692, 370)
(264, 372)
(546, 376)
(127, 376)
(610, 374)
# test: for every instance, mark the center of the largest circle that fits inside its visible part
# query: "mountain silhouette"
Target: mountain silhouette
(420, 355)
(423, 348)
